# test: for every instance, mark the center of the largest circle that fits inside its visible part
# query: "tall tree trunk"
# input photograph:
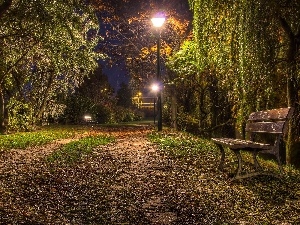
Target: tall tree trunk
(292, 145)
(42, 107)
(2, 110)
(174, 109)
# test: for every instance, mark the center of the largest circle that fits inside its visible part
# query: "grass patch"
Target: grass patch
(179, 144)
(76, 150)
(23, 140)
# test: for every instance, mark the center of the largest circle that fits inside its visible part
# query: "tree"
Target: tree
(124, 96)
(90, 98)
(47, 48)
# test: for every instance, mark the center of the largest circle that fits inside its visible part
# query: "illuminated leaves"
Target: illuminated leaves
(239, 56)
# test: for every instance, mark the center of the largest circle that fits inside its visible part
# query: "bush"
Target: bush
(20, 116)
(188, 123)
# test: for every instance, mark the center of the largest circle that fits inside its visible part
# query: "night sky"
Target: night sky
(116, 75)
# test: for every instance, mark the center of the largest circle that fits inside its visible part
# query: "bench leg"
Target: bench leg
(256, 163)
(240, 161)
(222, 161)
(279, 163)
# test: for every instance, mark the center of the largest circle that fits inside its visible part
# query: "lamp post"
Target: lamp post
(155, 89)
(157, 22)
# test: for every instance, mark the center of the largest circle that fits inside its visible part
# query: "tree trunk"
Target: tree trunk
(2, 108)
(174, 109)
(292, 143)
(42, 107)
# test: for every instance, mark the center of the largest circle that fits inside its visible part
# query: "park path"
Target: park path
(146, 174)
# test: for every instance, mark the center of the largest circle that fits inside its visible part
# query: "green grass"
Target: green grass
(179, 144)
(23, 140)
(76, 150)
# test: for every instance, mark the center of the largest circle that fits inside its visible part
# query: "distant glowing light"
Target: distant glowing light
(87, 118)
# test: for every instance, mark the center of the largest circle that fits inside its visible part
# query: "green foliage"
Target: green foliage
(239, 57)
(20, 116)
(123, 114)
(102, 113)
(184, 62)
(76, 150)
(47, 48)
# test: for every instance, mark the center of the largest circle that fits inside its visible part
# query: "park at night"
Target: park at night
(179, 112)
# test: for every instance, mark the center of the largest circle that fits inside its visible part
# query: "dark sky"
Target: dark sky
(116, 75)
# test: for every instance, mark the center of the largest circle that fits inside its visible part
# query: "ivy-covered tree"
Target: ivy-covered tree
(47, 48)
(197, 93)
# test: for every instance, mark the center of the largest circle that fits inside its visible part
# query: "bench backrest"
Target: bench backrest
(269, 121)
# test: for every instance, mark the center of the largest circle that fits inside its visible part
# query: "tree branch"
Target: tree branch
(286, 28)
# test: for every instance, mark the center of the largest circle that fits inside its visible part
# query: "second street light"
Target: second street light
(157, 22)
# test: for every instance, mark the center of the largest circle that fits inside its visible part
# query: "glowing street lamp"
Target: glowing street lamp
(157, 22)
(154, 87)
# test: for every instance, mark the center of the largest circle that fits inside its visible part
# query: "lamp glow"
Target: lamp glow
(158, 21)
(155, 87)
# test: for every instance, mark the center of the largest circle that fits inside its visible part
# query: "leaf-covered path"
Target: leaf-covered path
(131, 181)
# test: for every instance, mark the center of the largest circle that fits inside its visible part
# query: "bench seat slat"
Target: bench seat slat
(241, 144)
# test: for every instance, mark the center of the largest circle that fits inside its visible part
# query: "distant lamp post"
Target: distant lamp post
(155, 89)
(157, 22)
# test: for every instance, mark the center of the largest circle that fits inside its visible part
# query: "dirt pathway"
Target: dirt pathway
(146, 169)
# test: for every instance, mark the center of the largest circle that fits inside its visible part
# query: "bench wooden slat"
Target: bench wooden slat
(241, 144)
(273, 114)
(266, 127)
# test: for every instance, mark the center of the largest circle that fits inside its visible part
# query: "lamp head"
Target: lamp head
(158, 20)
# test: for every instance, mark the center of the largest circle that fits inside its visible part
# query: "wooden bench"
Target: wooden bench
(272, 122)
